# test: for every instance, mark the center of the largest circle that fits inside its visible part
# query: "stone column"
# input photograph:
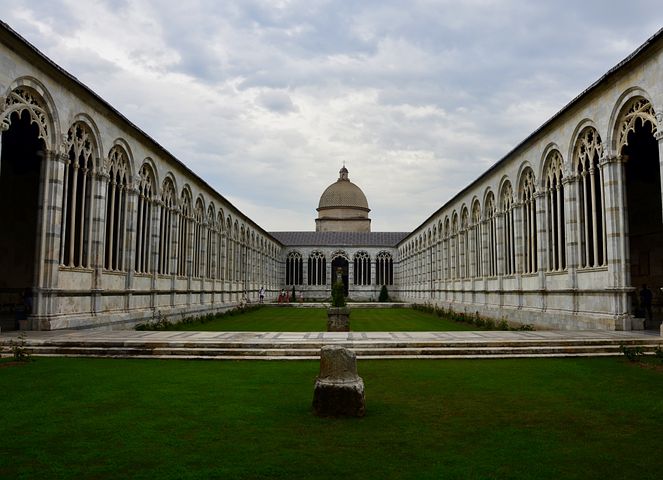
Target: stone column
(659, 138)
(616, 225)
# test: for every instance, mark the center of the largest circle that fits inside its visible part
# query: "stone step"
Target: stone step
(317, 344)
(268, 352)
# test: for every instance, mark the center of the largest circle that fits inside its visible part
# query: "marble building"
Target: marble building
(103, 228)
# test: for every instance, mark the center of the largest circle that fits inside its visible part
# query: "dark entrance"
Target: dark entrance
(645, 222)
(20, 164)
(340, 262)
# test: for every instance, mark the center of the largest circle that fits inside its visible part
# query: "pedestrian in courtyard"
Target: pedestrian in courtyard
(645, 301)
(261, 294)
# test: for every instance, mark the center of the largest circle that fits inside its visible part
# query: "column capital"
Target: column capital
(612, 157)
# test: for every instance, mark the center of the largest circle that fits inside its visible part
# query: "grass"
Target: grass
(284, 319)
(535, 418)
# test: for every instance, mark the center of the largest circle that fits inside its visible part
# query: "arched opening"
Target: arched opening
(342, 264)
(645, 225)
(20, 166)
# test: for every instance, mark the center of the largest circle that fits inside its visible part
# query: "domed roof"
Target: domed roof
(343, 193)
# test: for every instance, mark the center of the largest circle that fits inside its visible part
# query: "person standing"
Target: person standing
(261, 294)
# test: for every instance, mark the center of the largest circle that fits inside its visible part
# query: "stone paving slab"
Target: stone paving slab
(306, 337)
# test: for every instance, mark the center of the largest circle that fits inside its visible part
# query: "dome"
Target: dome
(343, 194)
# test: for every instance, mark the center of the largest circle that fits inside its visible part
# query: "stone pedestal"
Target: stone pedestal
(339, 391)
(338, 319)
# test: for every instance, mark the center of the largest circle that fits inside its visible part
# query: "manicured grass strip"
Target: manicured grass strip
(519, 419)
(284, 319)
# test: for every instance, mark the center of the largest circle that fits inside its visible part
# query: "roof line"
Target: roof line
(613, 71)
(50, 63)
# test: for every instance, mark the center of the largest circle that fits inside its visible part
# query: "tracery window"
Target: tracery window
(447, 249)
(455, 249)
(229, 250)
(210, 252)
(528, 199)
(384, 269)
(317, 269)
(464, 245)
(555, 228)
(491, 234)
(508, 229)
(591, 223)
(116, 209)
(294, 271)
(362, 269)
(198, 236)
(184, 237)
(144, 220)
(477, 244)
(166, 222)
(76, 234)
(220, 247)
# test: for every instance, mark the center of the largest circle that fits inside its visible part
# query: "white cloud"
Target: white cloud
(266, 100)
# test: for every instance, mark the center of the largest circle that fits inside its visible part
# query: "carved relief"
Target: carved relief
(641, 109)
(25, 99)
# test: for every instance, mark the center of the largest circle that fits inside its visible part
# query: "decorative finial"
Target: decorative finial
(343, 173)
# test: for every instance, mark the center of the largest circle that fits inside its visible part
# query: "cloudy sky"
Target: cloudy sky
(265, 100)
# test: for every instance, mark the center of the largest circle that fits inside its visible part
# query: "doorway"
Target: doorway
(20, 167)
(340, 263)
(645, 221)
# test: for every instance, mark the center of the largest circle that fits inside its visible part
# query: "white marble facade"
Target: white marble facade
(104, 228)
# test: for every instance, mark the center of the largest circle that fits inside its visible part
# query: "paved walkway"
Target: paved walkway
(306, 337)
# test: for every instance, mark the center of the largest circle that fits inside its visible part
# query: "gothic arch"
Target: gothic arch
(577, 132)
(631, 99)
(89, 122)
(29, 94)
(546, 157)
(122, 144)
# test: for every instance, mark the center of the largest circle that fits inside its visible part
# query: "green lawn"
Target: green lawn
(285, 319)
(563, 418)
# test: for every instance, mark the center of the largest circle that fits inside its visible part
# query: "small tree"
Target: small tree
(338, 295)
(384, 294)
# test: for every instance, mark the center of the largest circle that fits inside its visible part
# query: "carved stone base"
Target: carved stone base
(339, 391)
(338, 319)
(339, 399)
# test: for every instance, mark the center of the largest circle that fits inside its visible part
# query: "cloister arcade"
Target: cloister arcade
(102, 227)
(571, 244)
(99, 239)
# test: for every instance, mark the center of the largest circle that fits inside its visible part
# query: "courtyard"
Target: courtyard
(528, 418)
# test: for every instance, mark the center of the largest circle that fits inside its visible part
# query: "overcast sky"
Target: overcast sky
(265, 100)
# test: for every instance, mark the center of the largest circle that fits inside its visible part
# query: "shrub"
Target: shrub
(502, 325)
(384, 294)
(338, 295)
(632, 354)
(19, 351)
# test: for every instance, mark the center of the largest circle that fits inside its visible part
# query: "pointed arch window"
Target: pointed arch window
(384, 269)
(198, 225)
(590, 205)
(491, 235)
(144, 220)
(476, 243)
(166, 219)
(76, 234)
(362, 269)
(528, 199)
(317, 269)
(508, 230)
(555, 228)
(184, 237)
(116, 210)
(294, 269)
